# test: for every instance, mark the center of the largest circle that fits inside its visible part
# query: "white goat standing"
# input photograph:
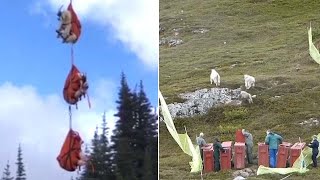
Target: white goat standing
(249, 81)
(215, 77)
(246, 96)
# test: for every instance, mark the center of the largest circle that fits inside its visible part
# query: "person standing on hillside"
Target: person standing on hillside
(315, 149)
(217, 147)
(273, 140)
(249, 145)
(201, 143)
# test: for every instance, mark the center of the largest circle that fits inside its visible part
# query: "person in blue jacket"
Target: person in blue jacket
(273, 140)
(315, 151)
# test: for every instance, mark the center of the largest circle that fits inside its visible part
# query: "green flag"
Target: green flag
(313, 51)
(183, 140)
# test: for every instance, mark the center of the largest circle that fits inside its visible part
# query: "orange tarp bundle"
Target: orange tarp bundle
(70, 152)
(72, 85)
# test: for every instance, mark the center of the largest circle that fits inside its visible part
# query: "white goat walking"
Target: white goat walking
(215, 77)
(246, 96)
(249, 81)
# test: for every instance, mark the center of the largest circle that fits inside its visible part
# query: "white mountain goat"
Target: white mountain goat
(249, 81)
(215, 77)
(246, 96)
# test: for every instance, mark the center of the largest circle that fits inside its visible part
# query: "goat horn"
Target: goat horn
(60, 9)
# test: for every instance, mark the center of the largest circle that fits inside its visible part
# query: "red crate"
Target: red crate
(239, 136)
(283, 154)
(239, 155)
(295, 152)
(208, 160)
(263, 154)
(225, 156)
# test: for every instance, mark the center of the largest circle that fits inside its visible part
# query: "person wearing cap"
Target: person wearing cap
(249, 145)
(315, 151)
(201, 143)
(217, 147)
(273, 140)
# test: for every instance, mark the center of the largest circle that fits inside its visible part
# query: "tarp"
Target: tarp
(267, 170)
(183, 140)
(313, 51)
(299, 166)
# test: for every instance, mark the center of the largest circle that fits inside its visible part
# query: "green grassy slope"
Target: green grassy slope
(265, 38)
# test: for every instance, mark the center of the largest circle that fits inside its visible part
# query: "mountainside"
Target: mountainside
(267, 39)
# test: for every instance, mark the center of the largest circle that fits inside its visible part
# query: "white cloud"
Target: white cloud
(134, 22)
(37, 8)
(40, 124)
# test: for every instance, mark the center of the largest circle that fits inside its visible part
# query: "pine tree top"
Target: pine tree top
(20, 173)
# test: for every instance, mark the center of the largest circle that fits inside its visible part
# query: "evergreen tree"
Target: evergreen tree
(147, 136)
(133, 154)
(139, 139)
(105, 150)
(123, 154)
(100, 156)
(21, 175)
(152, 130)
(7, 173)
(147, 166)
(94, 159)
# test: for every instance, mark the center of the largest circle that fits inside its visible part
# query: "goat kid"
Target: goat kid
(247, 96)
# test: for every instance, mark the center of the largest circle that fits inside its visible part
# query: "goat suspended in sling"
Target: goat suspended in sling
(76, 86)
(71, 156)
(70, 26)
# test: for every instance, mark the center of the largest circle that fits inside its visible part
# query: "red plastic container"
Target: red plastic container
(263, 154)
(208, 160)
(283, 154)
(239, 136)
(295, 151)
(239, 155)
(225, 157)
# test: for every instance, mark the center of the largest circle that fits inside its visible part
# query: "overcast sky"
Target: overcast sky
(117, 35)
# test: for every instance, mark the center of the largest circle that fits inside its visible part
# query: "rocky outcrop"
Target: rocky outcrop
(200, 101)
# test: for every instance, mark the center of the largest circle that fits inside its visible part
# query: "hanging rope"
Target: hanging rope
(72, 58)
(89, 103)
(70, 118)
